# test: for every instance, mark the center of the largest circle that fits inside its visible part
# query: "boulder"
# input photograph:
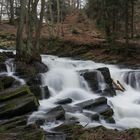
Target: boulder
(16, 102)
(92, 103)
(91, 78)
(109, 90)
(72, 109)
(100, 81)
(57, 113)
(40, 67)
(7, 82)
(3, 67)
(98, 105)
(64, 101)
(39, 91)
(3, 57)
(17, 129)
(30, 70)
(92, 115)
(9, 54)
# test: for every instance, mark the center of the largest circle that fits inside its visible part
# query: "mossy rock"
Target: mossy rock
(16, 102)
(6, 82)
(17, 128)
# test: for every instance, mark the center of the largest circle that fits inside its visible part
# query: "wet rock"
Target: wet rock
(98, 105)
(64, 101)
(34, 84)
(17, 129)
(7, 82)
(91, 78)
(9, 54)
(100, 81)
(17, 101)
(104, 110)
(40, 67)
(69, 129)
(55, 136)
(109, 90)
(92, 115)
(57, 113)
(30, 70)
(72, 109)
(3, 57)
(110, 120)
(3, 67)
(92, 103)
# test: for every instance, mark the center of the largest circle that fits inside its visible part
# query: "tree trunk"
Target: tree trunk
(1, 12)
(52, 19)
(126, 23)
(132, 18)
(12, 11)
(19, 39)
(39, 27)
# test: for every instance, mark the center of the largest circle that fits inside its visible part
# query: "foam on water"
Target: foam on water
(64, 81)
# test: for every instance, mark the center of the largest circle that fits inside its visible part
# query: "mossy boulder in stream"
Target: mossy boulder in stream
(8, 82)
(16, 102)
(17, 129)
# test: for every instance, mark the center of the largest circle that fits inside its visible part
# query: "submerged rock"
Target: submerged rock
(17, 101)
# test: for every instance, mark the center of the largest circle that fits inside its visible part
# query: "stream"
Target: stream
(64, 81)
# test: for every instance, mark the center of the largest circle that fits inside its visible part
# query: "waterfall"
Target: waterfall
(64, 81)
(10, 66)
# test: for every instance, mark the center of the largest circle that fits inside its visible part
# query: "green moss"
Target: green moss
(15, 92)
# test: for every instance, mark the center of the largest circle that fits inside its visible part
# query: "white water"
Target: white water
(10, 68)
(64, 81)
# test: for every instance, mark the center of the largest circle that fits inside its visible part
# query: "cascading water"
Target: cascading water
(64, 81)
(10, 67)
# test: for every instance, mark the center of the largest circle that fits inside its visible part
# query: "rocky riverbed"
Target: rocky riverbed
(19, 99)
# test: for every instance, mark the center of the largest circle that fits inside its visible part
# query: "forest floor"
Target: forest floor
(79, 37)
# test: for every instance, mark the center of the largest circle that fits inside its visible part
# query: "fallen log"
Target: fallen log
(118, 85)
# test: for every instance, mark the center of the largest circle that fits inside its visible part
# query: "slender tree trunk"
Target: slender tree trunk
(19, 39)
(52, 19)
(38, 30)
(132, 18)
(1, 11)
(126, 23)
(58, 17)
(12, 11)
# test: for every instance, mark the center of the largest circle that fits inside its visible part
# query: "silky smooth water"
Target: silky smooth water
(64, 81)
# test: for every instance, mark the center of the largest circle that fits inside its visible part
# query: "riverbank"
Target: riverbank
(98, 51)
